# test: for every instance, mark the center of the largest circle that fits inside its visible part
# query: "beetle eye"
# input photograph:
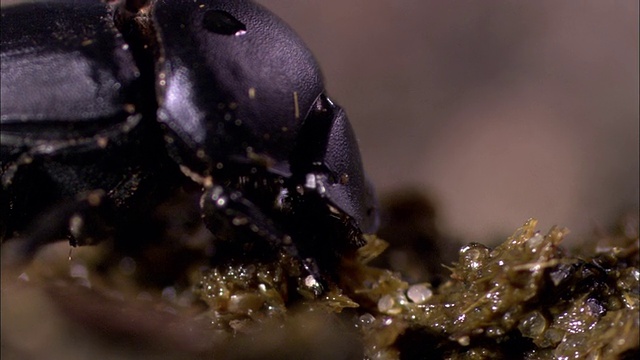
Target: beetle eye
(221, 22)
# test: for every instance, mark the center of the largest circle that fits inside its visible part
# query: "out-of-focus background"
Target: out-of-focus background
(500, 110)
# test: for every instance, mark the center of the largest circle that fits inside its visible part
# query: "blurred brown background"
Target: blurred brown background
(501, 110)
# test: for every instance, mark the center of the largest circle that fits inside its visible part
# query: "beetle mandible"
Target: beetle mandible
(108, 107)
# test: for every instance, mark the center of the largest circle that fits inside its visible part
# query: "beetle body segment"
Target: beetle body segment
(71, 116)
(64, 62)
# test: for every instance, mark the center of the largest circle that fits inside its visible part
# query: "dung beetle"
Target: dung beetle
(107, 108)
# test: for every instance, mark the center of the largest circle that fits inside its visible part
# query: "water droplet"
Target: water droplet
(221, 22)
(464, 340)
(367, 320)
(533, 324)
(419, 293)
(386, 303)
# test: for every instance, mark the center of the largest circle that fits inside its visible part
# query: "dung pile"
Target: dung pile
(526, 298)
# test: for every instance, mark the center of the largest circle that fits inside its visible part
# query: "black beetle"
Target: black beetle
(107, 108)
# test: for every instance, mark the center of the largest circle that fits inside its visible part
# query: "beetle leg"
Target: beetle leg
(316, 189)
(229, 215)
(81, 220)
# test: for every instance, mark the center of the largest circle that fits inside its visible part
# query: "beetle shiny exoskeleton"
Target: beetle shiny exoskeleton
(106, 108)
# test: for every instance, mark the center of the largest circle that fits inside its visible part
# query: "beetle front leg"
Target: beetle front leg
(231, 216)
(318, 193)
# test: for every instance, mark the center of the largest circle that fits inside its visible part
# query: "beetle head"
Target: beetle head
(328, 158)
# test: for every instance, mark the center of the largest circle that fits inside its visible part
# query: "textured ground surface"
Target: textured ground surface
(525, 298)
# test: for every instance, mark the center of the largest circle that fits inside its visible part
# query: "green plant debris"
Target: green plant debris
(526, 298)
